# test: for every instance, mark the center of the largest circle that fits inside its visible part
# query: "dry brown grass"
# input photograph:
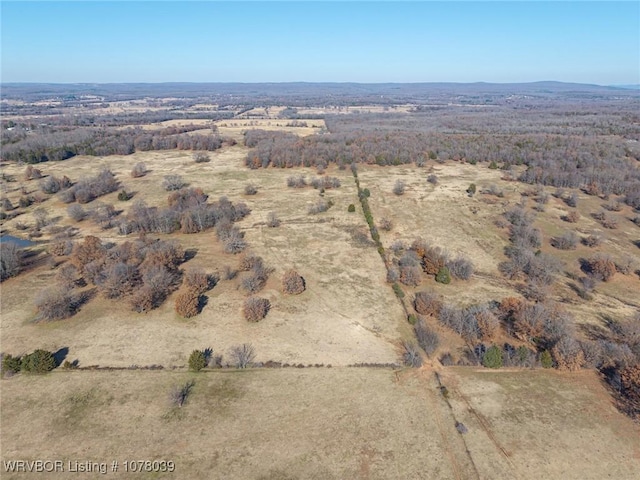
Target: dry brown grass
(347, 302)
(322, 423)
(445, 216)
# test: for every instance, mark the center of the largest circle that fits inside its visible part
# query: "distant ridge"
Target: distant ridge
(398, 92)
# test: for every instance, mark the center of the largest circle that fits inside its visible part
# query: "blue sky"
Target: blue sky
(208, 41)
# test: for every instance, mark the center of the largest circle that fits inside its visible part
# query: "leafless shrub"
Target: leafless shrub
(67, 276)
(494, 190)
(242, 355)
(385, 224)
(411, 276)
(488, 324)
(6, 204)
(234, 242)
(320, 206)
(529, 320)
(542, 198)
(427, 303)
(593, 240)
(253, 283)
(397, 246)
(10, 260)
(393, 275)
(525, 236)
(249, 261)
(446, 359)
(196, 280)
(139, 170)
(610, 221)
(88, 189)
(250, 189)
(32, 173)
(41, 217)
(399, 187)
(272, 220)
(601, 266)
(588, 284)
(119, 279)
(432, 179)
(83, 195)
(572, 217)
(625, 265)
(293, 283)
(103, 215)
(296, 181)
(535, 290)
(61, 248)
(567, 241)
(201, 157)
(173, 182)
(325, 183)
(76, 212)
(411, 355)
(518, 216)
(180, 393)
(567, 354)
(255, 309)
(428, 338)
(460, 267)
(68, 196)
(51, 184)
(572, 200)
(613, 206)
(55, 303)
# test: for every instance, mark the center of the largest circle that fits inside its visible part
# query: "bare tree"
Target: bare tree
(55, 303)
(201, 157)
(428, 338)
(10, 260)
(139, 170)
(272, 220)
(411, 355)
(399, 187)
(255, 309)
(242, 355)
(180, 393)
(173, 182)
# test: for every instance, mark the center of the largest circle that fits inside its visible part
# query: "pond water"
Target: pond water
(21, 242)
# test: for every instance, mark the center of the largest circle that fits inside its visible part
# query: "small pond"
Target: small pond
(21, 242)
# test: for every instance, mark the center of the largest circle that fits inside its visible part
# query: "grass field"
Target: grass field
(321, 423)
(347, 314)
(312, 423)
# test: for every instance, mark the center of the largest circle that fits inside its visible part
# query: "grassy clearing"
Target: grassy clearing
(445, 215)
(319, 423)
(347, 314)
(312, 423)
(542, 424)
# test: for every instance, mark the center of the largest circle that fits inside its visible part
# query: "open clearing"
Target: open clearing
(347, 314)
(447, 217)
(320, 423)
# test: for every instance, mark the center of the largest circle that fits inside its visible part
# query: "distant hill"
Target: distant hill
(381, 93)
